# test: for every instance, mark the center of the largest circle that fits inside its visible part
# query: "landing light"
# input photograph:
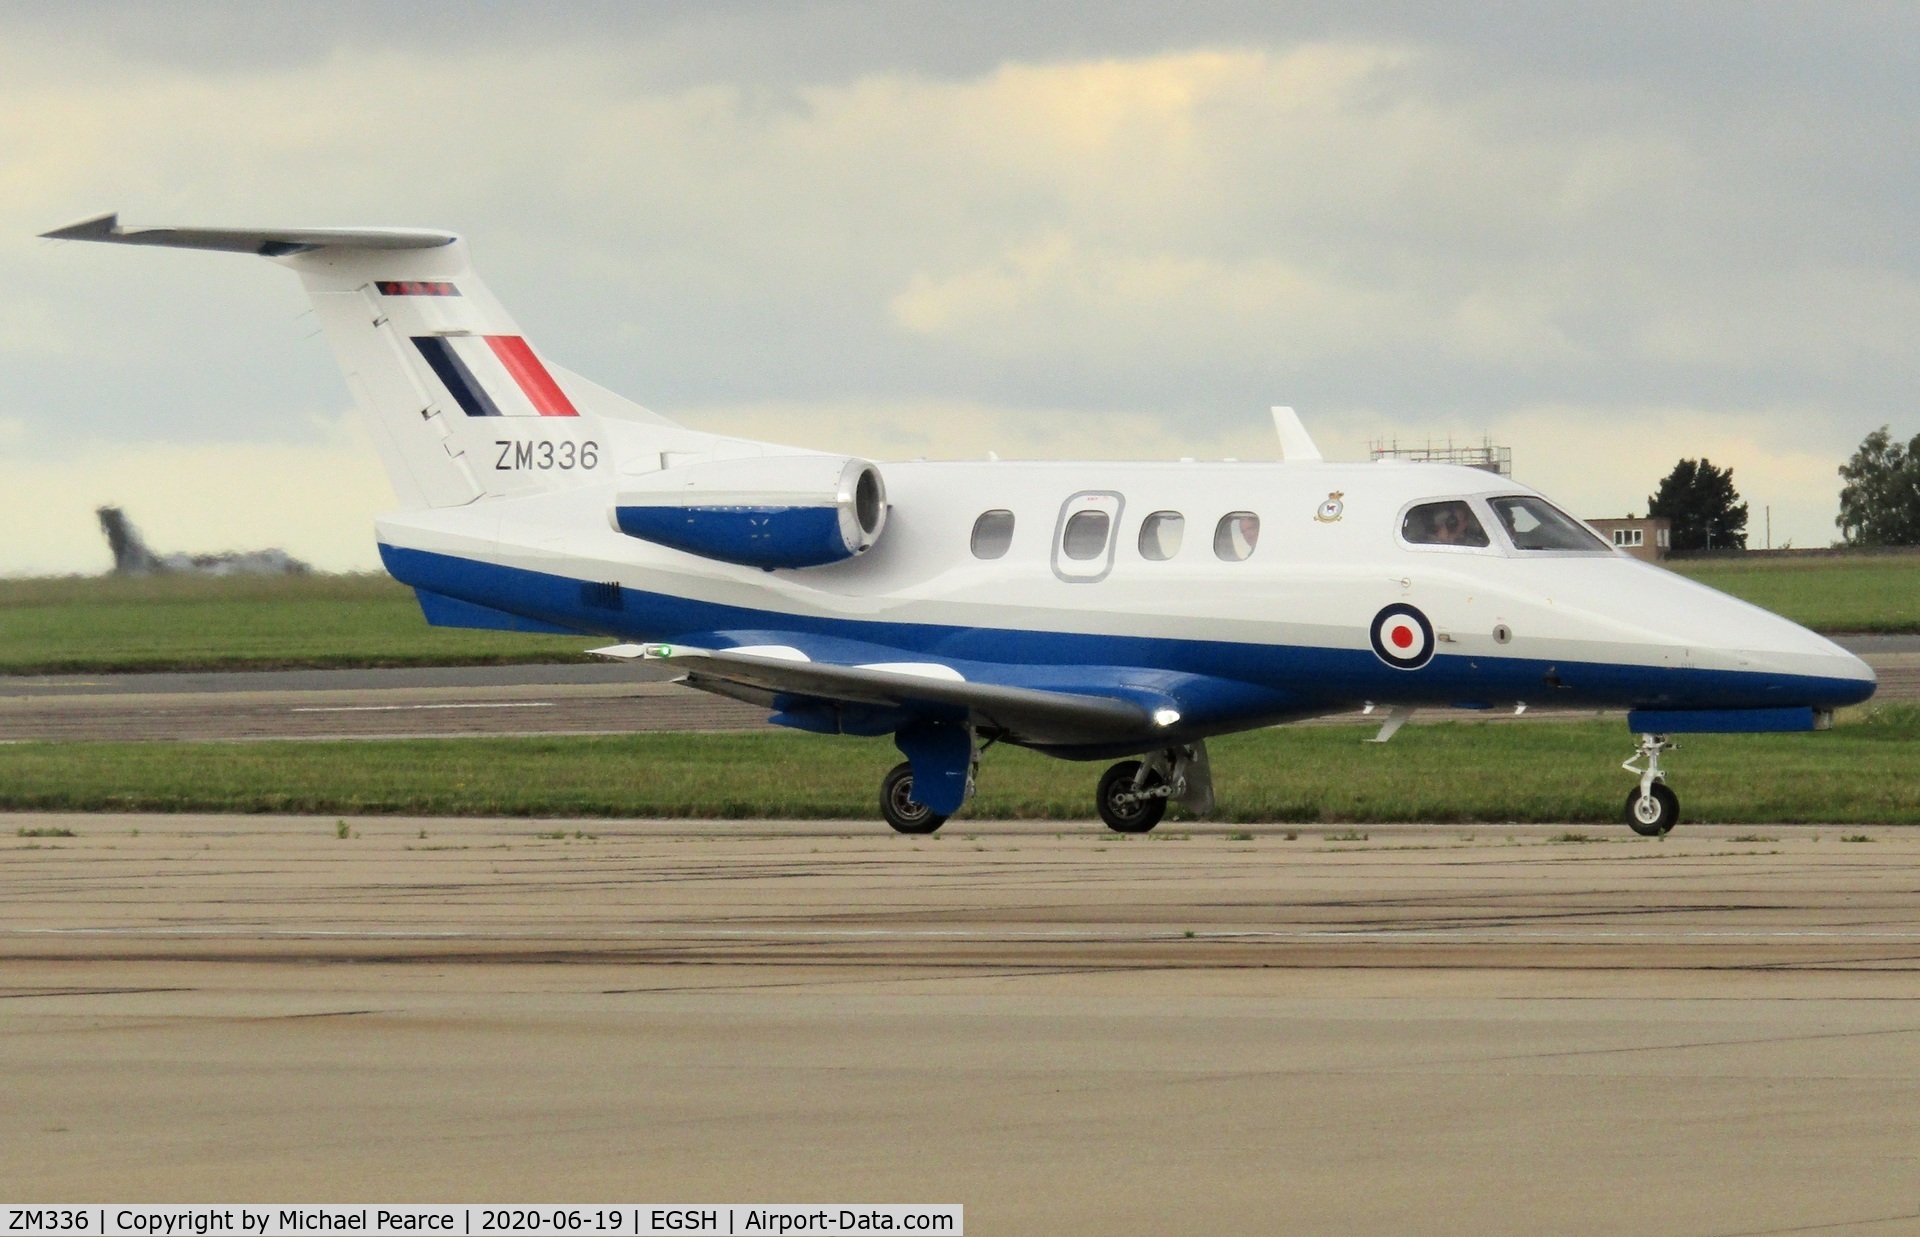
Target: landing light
(1165, 717)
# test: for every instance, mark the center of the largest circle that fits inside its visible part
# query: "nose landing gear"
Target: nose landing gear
(1134, 794)
(1652, 809)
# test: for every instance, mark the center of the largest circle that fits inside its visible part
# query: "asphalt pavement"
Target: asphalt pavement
(1479, 1030)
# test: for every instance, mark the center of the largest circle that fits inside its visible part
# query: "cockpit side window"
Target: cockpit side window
(1535, 524)
(1445, 523)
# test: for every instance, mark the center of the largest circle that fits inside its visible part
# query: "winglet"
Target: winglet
(98, 228)
(267, 242)
(1296, 445)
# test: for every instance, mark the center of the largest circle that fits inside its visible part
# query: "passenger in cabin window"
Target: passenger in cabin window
(1235, 537)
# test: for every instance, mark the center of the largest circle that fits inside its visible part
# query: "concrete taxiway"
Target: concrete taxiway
(360, 704)
(1435, 1030)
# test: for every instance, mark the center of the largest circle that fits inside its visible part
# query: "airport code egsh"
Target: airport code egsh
(478, 1219)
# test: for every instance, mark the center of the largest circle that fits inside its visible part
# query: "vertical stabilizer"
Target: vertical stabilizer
(462, 405)
(131, 557)
(459, 403)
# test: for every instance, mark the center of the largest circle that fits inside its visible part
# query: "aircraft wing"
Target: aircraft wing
(1031, 714)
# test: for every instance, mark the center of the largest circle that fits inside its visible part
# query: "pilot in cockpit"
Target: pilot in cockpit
(1444, 523)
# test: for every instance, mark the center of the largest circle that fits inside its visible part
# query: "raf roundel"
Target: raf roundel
(1402, 637)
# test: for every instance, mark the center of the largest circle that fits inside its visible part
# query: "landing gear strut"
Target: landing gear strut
(1652, 809)
(1134, 794)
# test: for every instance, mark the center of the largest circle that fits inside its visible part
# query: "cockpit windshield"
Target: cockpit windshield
(1446, 523)
(1535, 524)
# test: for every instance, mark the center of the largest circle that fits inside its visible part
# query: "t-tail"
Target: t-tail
(459, 403)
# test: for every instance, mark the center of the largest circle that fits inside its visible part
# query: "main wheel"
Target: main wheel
(1122, 806)
(1653, 814)
(897, 805)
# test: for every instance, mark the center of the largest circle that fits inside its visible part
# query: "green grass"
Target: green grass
(199, 623)
(1863, 593)
(1544, 772)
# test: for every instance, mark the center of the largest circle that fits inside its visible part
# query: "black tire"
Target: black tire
(1657, 815)
(1122, 812)
(898, 807)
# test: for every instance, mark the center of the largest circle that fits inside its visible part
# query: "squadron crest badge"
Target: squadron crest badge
(1332, 509)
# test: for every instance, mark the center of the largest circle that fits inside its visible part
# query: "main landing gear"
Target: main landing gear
(945, 757)
(1134, 794)
(898, 806)
(1652, 809)
(1132, 798)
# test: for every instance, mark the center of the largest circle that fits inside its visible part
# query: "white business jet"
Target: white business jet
(1089, 610)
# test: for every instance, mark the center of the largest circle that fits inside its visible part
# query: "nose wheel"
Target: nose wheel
(1654, 812)
(1652, 809)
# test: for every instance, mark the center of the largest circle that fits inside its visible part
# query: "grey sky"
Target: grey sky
(1613, 235)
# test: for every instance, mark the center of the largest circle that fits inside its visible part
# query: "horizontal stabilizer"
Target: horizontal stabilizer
(1032, 714)
(267, 242)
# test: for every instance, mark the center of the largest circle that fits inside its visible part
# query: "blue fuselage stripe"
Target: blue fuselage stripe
(1318, 679)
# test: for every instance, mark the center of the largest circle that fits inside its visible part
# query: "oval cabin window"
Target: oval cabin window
(1236, 535)
(1086, 535)
(1160, 535)
(992, 534)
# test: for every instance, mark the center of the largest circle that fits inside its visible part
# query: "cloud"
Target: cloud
(945, 429)
(1128, 249)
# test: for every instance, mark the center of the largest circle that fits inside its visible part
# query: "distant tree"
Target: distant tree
(1880, 504)
(1705, 508)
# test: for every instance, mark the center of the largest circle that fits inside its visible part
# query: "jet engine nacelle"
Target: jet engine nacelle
(766, 511)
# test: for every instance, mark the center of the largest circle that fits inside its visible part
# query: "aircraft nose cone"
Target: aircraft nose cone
(1853, 678)
(1829, 674)
(1773, 659)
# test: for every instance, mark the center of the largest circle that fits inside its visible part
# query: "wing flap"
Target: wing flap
(1028, 713)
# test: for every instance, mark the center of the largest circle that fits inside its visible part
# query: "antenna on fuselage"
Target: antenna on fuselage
(1296, 445)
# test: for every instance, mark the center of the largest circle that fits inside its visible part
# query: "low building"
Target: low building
(1648, 537)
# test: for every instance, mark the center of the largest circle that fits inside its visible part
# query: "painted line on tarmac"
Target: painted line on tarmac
(1424, 934)
(407, 708)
